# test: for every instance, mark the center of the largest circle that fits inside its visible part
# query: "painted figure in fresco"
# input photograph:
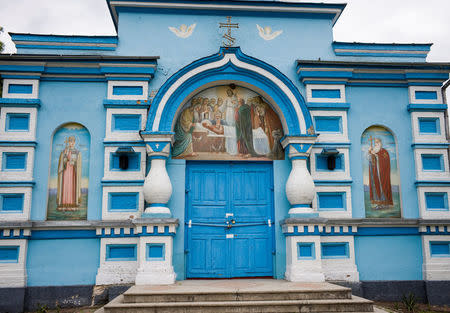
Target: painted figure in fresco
(230, 104)
(217, 127)
(244, 133)
(183, 133)
(69, 177)
(260, 139)
(379, 175)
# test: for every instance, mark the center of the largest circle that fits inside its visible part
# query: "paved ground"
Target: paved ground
(235, 285)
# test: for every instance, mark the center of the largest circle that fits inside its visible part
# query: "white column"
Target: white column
(300, 184)
(157, 185)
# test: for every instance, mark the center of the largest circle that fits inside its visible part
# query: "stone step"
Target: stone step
(244, 290)
(355, 304)
(136, 297)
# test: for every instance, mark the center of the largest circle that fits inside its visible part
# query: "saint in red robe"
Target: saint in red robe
(380, 178)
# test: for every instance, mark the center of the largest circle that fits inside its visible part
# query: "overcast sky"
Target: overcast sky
(403, 21)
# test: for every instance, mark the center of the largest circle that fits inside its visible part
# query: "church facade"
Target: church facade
(225, 139)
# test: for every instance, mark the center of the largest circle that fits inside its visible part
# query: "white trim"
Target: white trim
(33, 82)
(124, 175)
(112, 135)
(229, 58)
(433, 175)
(311, 87)
(155, 272)
(332, 136)
(116, 272)
(330, 175)
(334, 214)
(428, 138)
(14, 274)
(107, 215)
(340, 269)
(14, 216)
(433, 214)
(27, 174)
(303, 270)
(412, 95)
(435, 268)
(113, 83)
(29, 135)
(336, 11)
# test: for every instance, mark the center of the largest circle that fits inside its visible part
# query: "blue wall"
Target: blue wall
(368, 106)
(389, 257)
(59, 262)
(314, 40)
(177, 174)
(281, 170)
(63, 102)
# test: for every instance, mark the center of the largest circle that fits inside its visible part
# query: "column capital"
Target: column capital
(158, 143)
(298, 147)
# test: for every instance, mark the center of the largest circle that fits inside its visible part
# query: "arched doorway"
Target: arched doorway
(229, 206)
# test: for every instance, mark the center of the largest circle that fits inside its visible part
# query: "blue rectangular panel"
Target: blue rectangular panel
(426, 95)
(332, 124)
(440, 248)
(333, 250)
(17, 121)
(331, 201)
(305, 250)
(432, 162)
(436, 201)
(128, 90)
(429, 125)
(326, 93)
(14, 161)
(20, 88)
(123, 201)
(156, 251)
(134, 162)
(9, 254)
(322, 162)
(121, 252)
(11, 202)
(126, 122)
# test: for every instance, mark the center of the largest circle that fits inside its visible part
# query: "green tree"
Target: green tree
(2, 45)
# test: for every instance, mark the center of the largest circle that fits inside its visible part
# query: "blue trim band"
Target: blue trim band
(301, 206)
(158, 205)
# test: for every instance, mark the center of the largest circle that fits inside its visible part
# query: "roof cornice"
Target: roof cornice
(230, 5)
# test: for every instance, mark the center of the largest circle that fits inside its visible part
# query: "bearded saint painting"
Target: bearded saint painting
(381, 177)
(69, 177)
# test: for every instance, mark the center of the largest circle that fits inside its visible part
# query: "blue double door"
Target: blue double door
(229, 219)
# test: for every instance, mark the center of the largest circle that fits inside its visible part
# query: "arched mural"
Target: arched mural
(380, 173)
(69, 173)
(228, 123)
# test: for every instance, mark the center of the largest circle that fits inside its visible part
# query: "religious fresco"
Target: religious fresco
(380, 173)
(228, 123)
(69, 174)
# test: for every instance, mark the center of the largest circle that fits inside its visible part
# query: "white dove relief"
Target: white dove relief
(266, 32)
(183, 31)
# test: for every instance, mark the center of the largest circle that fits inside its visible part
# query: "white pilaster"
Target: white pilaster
(307, 269)
(158, 270)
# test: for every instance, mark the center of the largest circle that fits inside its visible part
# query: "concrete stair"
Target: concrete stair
(232, 296)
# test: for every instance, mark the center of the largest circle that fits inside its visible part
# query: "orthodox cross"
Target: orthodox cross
(227, 36)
